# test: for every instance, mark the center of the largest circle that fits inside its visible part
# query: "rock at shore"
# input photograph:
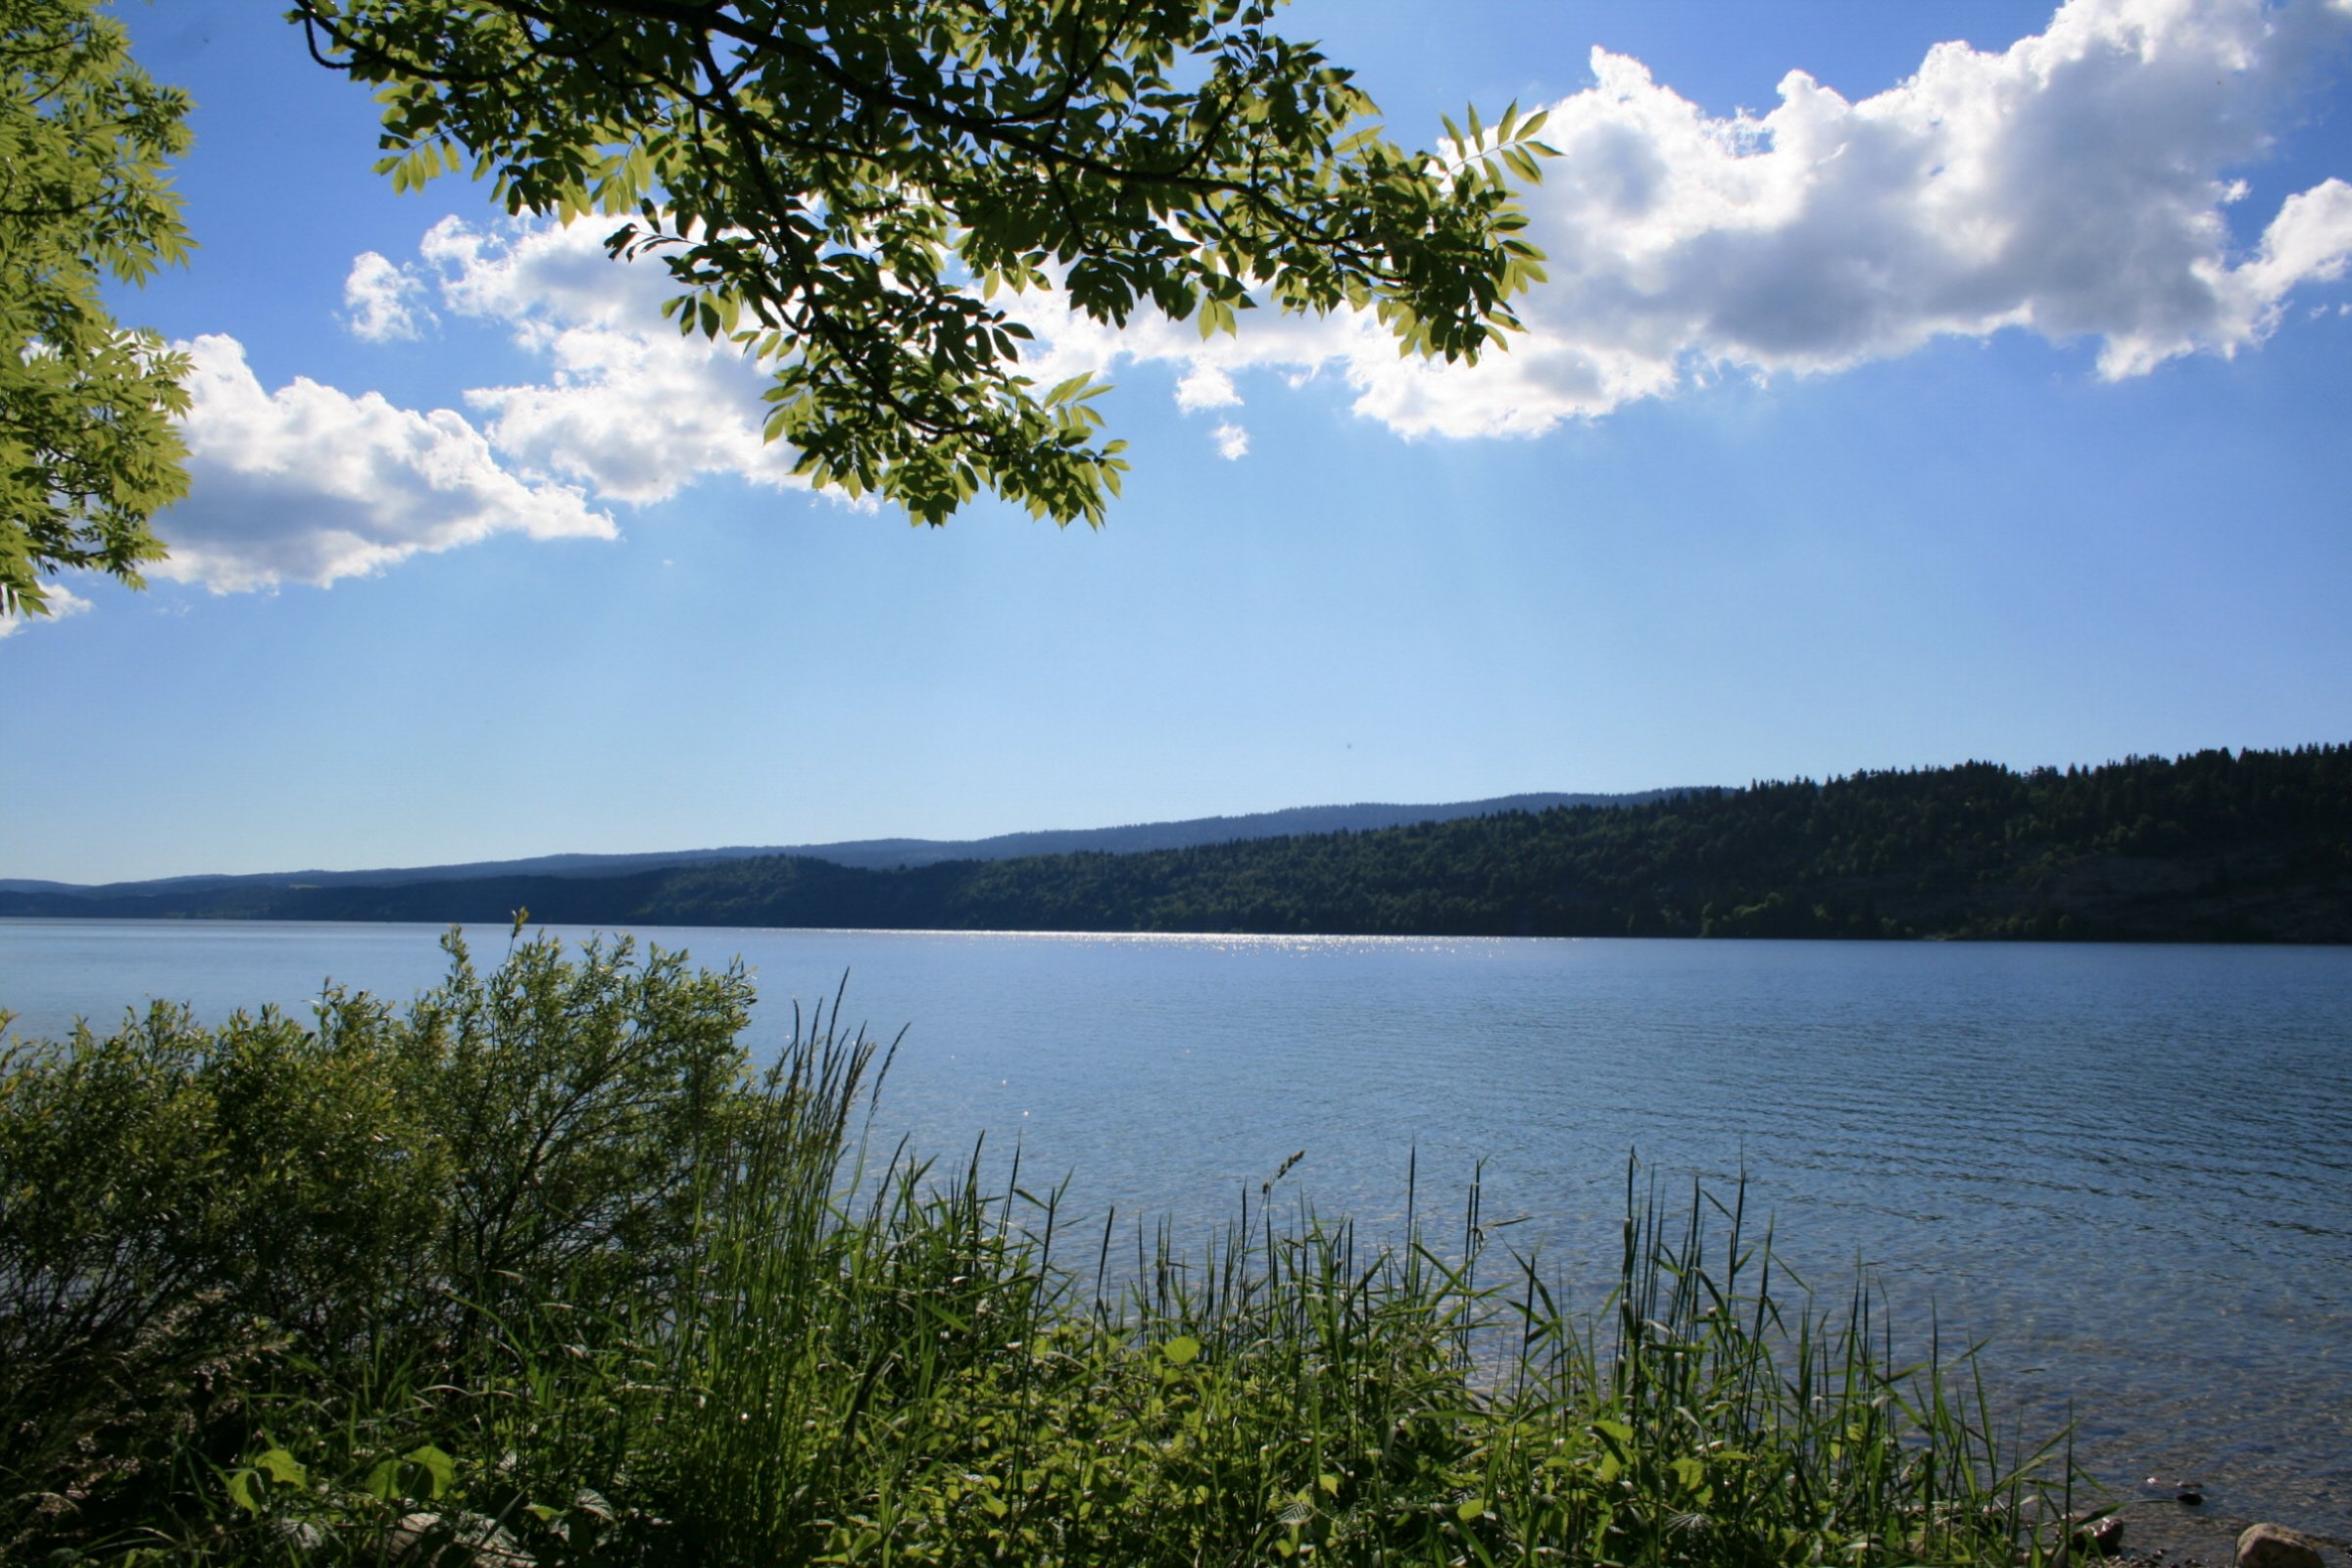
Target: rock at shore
(2276, 1546)
(2094, 1534)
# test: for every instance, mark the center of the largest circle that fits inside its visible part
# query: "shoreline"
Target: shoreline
(2162, 1534)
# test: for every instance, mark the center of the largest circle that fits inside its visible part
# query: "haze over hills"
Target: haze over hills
(878, 855)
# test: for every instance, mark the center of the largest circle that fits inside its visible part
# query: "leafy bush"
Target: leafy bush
(539, 1270)
(575, 1104)
(192, 1218)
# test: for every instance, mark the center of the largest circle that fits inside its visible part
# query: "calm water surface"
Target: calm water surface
(2128, 1168)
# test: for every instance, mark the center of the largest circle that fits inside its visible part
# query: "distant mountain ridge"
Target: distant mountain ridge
(2208, 846)
(875, 854)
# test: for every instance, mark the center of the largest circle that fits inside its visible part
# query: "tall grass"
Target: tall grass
(921, 1377)
(862, 1357)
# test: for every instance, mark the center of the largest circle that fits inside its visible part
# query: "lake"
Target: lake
(2128, 1168)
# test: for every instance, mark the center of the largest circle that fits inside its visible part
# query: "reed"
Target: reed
(919, 1377)
(862, 1356)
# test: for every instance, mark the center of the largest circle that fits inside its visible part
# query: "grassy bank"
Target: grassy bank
(539, 1268)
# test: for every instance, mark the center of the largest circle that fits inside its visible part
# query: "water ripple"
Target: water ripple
(2128, 1168)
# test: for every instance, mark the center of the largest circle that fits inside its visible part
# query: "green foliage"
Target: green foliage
(183, 1209)
(577, 1100)
(715, 1335)
(87, 448)
(114, 1326)
(918, 1383)
(324, 1174)
(843, 188)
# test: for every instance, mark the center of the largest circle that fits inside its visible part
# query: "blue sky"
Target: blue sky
(1937, 403)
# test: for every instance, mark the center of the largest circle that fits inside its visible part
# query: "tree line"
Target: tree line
(2213, 846)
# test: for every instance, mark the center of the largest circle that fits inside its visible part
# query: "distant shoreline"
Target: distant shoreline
(2253, 846)
(536, 920)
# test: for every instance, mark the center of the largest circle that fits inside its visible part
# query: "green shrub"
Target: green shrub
(538, 1263)
(193, 1219)
(575, 1102)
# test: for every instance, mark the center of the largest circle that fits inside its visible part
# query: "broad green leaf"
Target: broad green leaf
(282, 1467)
(439, 1466)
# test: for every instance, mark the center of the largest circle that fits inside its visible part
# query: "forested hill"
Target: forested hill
(2255, 846)
(879, 853)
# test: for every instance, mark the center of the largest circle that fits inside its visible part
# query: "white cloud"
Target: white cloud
(1206, 387)
(62, 600)
(383, 300)
(2073, 185)
(2078, 185)
(630, 408)
(309, 484)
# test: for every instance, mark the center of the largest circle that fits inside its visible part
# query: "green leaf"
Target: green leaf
(439, 1466)
(1181, 1350)
(89, 450)
(1471, 1509)
(834, 237)
(282, 1467)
